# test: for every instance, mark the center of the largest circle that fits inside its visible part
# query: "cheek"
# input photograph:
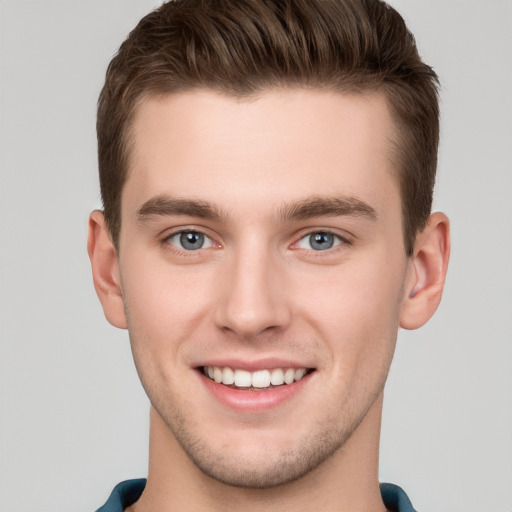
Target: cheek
(163, 300)
(162, 310)
(357, 312)
(358, 295)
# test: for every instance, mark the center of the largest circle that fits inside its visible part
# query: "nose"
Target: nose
(252, 298)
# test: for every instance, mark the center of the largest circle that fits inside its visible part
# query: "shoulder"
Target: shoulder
(128, 492)
(124, 494)
(395, 499)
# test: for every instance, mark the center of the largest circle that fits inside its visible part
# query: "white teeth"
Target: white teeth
(261, 379)
(228, 376)
(257, 379)
(299, 373)
(243, 379)
(277, 377)
(289, 375)
(217, 375)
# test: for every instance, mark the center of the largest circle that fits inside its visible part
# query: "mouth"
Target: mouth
(259, 380)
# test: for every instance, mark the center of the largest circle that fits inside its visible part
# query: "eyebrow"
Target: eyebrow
(307, 208)
(327, 207)
(160, 206)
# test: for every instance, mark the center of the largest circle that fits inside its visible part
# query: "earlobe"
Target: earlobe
(429, 264)
(105, 270)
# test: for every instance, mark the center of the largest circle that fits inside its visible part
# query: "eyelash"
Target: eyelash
(338, 244)
(166, 241)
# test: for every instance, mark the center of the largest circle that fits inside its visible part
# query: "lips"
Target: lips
(255, 386)
(259, 379)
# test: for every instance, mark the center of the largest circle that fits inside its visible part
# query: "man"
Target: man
(267, 169)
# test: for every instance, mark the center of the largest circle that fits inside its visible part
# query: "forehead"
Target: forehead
(281, 145)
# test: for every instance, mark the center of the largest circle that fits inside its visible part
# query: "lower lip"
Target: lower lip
(254, 401)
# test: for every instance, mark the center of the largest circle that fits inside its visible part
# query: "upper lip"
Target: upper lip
(253, 365)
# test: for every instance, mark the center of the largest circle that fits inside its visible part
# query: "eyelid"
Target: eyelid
(169, 234)
(208, 242)
(341, 239)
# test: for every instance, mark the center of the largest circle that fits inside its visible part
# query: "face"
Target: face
(262, 270)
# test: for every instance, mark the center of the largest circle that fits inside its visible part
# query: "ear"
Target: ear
(429, 264)
(105, 270)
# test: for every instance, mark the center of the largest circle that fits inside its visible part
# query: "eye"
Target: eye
(190, 240)
(319, 241)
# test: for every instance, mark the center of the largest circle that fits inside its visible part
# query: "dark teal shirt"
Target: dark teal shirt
(128, 492)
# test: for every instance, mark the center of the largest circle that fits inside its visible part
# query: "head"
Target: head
(267, 171)
(243, 47)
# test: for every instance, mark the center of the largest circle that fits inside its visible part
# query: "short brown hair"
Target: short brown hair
(241, 47)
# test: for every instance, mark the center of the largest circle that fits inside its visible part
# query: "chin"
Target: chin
(258, 473)
(263, 465)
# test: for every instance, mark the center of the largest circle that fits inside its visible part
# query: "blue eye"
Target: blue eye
(319, 241)
(190, 240)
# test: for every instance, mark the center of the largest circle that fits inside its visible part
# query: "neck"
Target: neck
(346, 481)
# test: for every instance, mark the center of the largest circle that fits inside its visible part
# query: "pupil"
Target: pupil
(191, 240)
(321, 241)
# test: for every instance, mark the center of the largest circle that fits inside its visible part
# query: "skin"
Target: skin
(271, 170)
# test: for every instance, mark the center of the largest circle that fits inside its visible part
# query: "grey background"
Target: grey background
(73, 418)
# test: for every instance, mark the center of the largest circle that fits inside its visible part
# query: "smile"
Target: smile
(259, 379)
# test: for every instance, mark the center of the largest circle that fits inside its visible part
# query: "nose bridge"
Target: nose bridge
(252, 299)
